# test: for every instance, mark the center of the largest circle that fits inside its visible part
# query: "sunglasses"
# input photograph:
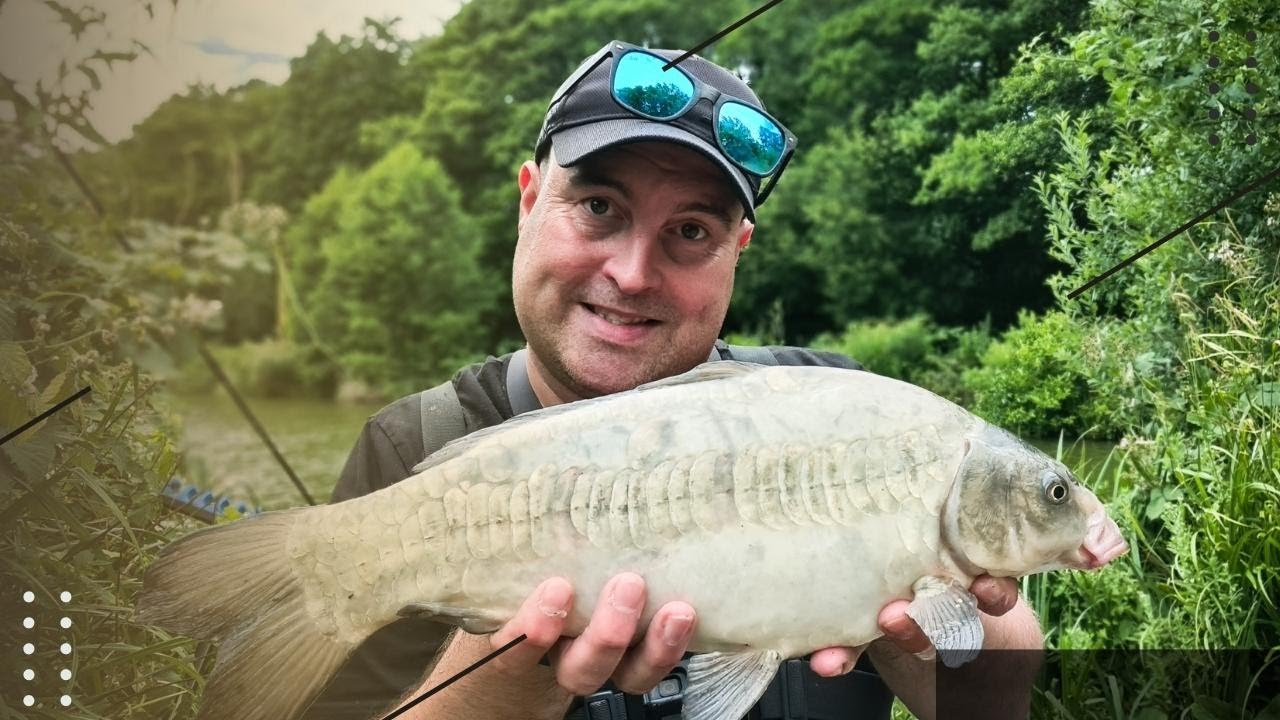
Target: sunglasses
(749, 137)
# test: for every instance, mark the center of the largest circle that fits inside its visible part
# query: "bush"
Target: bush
(898, 349)
(269, 368)
(914, 350)
(391, 273)
(1034, 381)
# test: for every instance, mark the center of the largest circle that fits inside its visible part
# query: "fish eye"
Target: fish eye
(1056, 490)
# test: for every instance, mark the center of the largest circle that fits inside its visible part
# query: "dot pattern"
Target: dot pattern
(1220, 100)
(29, 648)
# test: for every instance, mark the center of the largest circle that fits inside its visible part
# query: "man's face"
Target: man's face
(624, 266)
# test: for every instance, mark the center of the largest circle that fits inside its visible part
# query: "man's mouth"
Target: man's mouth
(617, 317)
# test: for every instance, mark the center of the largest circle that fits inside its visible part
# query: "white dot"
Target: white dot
(28, 648)
(28, 596)
(28, 623)
(29, 674)
(28, 700)
(65, 674)
(66, 596)
(65, 700)
(66, 622)
(65, 648)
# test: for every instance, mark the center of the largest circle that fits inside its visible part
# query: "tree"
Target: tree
(919, 130)
(399, 289)
(196, 154)
(334, 88)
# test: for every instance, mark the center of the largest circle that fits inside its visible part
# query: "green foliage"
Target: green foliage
(896, 349)
(919, 127)
(78, 505)
(1200, 506)
(914, 350)
(333, 89)
(1183, 343)
(204, 150)
(266, 369)
(192, 157)
(397, 290)
(1035, 381)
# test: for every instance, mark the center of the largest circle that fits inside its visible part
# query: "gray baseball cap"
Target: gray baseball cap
(583, 118)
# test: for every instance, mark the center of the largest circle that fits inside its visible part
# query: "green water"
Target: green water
(222, 453)
(1082, 453)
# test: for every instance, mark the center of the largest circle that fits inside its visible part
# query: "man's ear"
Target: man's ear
(744, 238)
(530, 179)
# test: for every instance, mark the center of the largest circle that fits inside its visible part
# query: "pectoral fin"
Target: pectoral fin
(726, 685)
(948, 615)
(476, 622)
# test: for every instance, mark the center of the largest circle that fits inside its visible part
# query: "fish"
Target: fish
(787, 505)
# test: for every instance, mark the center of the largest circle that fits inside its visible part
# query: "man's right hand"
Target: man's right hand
(604, 649)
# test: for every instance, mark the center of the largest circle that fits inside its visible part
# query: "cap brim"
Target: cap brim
(575, 143)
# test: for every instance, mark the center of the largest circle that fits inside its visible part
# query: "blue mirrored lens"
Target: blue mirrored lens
(640, 83)
(750, 138)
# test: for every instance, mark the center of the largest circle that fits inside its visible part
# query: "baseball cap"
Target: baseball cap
(583, 118)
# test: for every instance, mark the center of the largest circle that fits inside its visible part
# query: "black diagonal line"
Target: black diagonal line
(721, 34)
(456, 678)
(1182, 228)
(79, 394)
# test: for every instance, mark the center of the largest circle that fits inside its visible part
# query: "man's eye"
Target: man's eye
(598, 206)
(690, 231)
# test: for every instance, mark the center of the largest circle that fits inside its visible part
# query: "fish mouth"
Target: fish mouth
(1102, 544)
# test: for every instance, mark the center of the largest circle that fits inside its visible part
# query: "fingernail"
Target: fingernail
(848, 665)
(677, 629)
(627, 595)
(553, 600)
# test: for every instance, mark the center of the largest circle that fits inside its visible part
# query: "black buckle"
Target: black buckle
(660, 703)
(605, 705)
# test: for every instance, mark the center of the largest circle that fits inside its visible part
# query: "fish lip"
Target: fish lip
(597, 308)
(1102, 543)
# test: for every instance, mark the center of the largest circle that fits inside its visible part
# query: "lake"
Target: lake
(223, 454)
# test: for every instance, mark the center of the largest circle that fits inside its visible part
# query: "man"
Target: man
(633, 215)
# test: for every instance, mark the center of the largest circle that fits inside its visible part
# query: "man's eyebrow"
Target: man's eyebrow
(718, 211)
(586, 176)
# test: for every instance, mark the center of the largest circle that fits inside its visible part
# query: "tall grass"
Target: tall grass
(79, 510)
(1199, 499)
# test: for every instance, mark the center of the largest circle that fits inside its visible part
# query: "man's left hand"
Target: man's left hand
(996, 596)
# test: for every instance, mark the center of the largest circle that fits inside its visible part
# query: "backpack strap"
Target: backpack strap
(442, 419)
(752, 354)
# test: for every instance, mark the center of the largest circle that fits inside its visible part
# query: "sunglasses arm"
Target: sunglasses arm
(773, 179)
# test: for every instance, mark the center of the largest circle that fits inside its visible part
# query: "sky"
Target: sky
(219, 42)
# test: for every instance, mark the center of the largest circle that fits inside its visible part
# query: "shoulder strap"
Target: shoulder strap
(752, 354)
(442, 419)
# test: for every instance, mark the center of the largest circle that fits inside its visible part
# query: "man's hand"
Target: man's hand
(602, 652)
(996, 596)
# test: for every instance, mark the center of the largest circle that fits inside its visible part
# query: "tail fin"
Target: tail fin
(233, 584)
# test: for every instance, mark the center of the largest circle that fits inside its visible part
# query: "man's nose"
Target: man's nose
(634, 265)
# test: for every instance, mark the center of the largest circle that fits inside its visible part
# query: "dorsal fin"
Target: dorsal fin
(705, 372)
